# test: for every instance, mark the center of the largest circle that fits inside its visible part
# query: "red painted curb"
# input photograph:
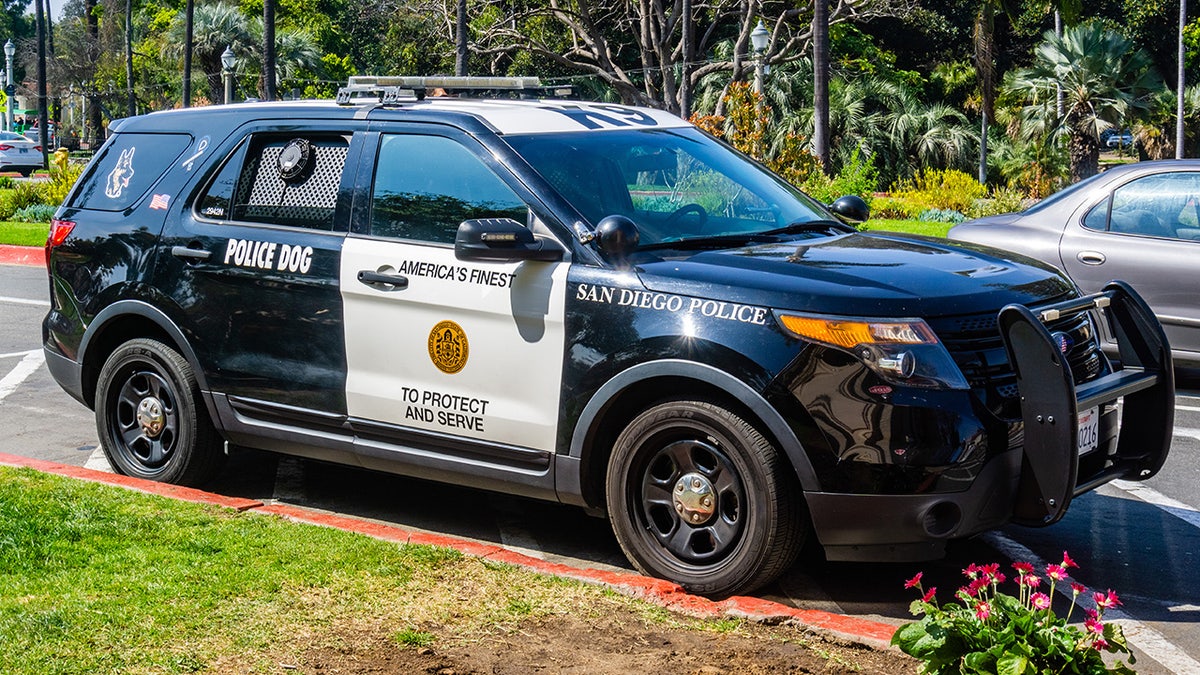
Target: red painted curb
(150, 487)
(663, 593)
(22, 255)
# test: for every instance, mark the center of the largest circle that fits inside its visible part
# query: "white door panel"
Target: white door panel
(502, 383)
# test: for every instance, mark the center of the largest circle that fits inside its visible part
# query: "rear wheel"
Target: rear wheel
(698, 496)
(150, 418)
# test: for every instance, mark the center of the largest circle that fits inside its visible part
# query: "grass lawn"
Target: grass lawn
(910, 226)
(23, 234)
(98, 579)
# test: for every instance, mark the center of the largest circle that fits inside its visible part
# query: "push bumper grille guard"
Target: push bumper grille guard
(1050, 402)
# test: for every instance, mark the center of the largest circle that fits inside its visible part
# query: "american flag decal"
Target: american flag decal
(159, 201)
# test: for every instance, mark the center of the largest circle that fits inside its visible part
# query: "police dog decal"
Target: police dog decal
(118, 178)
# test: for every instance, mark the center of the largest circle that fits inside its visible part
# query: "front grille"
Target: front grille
(975, 344)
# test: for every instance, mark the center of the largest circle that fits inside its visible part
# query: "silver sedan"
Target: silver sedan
(1137, 222)
(19, 154)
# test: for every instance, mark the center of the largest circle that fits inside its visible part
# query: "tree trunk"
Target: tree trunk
(131, 101)
(1085, 156)
(685, 79)
(43, 118)
(820, 30)
(460, 40)
(269, 92)
(189, 14)
(95, 117)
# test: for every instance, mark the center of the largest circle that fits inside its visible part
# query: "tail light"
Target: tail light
(37, 148)
(59, 230)
(5, 147)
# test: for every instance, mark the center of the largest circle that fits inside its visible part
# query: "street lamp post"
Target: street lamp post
(10, 87)
(228, 60)
(758, 41)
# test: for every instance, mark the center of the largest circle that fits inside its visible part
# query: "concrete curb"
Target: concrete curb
(663, 593)
(22, 255)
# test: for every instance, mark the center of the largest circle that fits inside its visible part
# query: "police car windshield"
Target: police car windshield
(676, 184)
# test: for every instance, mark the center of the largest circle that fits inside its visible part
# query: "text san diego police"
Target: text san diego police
(663, 302)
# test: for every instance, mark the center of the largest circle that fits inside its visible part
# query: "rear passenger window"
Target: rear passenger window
(290, 180)
(126, 169)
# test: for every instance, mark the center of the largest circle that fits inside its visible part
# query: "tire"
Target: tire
(25, 172)
(664, 465)
(150, 417)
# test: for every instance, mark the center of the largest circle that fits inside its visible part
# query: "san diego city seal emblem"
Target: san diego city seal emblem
(448, 348)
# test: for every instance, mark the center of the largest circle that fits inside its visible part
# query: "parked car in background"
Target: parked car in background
(19, 154)
(1138, 222)
(1119, 139)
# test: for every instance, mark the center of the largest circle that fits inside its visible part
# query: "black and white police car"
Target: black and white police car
(593, 304)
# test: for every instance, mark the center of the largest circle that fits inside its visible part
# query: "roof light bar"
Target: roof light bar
(387, 89)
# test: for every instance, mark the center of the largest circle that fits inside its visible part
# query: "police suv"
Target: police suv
(588, 303)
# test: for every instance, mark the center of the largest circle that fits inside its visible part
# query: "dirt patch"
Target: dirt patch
(618, 643)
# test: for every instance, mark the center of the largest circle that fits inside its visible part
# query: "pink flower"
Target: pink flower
(969, 591)
(1100, 643)
(1056, 572)
(1094, 626)
(990, 570)
(1092, 614)
(1067, 562)
(998, 578)
(929, 594)
(914, 582)
(971, 572)
(1106, 601)
(1040, 600)
(983, 610)
(1023, 567)
(1030, 580)
(1077, 588)
(977, 585)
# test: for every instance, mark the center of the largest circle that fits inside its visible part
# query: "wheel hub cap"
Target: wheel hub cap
(150, 416)
(694, 499)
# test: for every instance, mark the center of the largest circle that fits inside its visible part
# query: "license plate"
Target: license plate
(1089, 430)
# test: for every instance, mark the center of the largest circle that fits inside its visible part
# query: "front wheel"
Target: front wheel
(698, 496)
(150, 418)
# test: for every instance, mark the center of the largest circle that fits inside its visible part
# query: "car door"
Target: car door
(1146, 232)
(252, 266)
(462, 357)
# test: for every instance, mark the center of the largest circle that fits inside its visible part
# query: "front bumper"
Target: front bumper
(1032, 483)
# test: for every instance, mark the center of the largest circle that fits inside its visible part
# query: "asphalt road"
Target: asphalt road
(1141, 539)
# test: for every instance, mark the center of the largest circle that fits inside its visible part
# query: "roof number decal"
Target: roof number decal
(118, 178)
(602, 116)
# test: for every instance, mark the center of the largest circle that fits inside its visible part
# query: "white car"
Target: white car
(19, 154)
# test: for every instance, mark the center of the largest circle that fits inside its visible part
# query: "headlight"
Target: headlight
(901, 351)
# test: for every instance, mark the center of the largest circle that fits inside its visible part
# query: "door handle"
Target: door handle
(393, 282)
(1090, 257)
(190, 254)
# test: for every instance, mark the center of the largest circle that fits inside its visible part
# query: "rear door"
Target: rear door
(252, 265)
(464, 357)
(1147, 233)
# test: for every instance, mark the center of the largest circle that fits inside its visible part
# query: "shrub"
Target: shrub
(859, 177)
(36, 213)
(941, 216)
(55, 191)
(1003, 200)
(23, 195)
(942, 189)
(896, 208)
(7, 183)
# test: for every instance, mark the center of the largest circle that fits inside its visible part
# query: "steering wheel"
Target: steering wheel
(701, 216)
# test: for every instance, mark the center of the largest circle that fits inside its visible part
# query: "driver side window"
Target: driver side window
(426, 185)
(1163, 205)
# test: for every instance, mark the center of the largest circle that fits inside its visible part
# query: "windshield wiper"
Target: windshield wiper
(715, 241)
(798, 226)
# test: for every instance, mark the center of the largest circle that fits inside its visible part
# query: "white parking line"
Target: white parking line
(98, 462)
(26, 367)
(1187, 432)
(1188, 408)
(1149, 641)
(1184, 512)
(25, 301)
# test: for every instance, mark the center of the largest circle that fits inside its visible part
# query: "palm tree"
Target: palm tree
(820, 31)
(269, 79)
(216, 26)
(1105, 81)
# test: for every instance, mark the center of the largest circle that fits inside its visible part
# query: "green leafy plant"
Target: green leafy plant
(941, 189)
(941, 216)
(990, 632)
(35, 213)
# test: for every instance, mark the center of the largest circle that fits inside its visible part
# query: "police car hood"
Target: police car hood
(861, 274)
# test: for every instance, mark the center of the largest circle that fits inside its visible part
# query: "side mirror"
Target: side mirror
(617, 237)
(851, 209)
(502, 240)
